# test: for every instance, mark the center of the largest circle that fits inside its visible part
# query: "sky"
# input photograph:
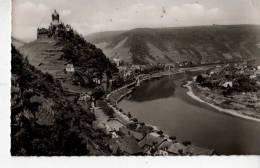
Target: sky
(90, 16)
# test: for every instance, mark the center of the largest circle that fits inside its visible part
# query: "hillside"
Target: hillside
(17, 42)
(43, 121)
(203, 44)
(53, 54)
(102, 36)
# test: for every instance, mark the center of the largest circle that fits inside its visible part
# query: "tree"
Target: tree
(200, 79)
(98, 92)
(129, 115)
(142, 124)
(186, 143)
(135, 120)
(160, 132)
(172, 137)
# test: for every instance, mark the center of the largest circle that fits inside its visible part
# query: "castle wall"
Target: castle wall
(54, 29)
(42, 36)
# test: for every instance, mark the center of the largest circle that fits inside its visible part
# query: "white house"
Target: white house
(211, 73)
(258, 45)
(117, 61)
(114, 135)
(161, 152)
(96, 81)
(252, 76)
(70, 68)
(228, 84)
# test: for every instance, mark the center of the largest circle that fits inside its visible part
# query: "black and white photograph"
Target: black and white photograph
(135, 78)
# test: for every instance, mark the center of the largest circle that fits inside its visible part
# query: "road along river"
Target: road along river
(163, 102)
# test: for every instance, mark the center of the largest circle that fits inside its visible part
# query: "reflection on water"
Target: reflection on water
(159, 88)
(164, 103)
(166, 89)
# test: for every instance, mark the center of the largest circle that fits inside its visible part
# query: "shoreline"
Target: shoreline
(121, 115)
(231, 112)
(132, 85)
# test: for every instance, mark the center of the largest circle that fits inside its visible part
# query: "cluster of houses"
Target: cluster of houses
(69, 68)
(131, 71)
(226, 76)
(104, 80)
(132, 137)
(139, 139)
(166, 66)
(185, 64)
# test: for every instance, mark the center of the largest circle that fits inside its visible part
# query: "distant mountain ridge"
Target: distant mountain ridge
(200, 44)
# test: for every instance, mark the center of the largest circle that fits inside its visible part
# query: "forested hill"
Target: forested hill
(201, 44)
(43, 121)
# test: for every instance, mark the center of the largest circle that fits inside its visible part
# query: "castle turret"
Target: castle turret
(55, 18)
(55, 30)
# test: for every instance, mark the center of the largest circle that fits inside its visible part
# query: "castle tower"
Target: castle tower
(55, 18)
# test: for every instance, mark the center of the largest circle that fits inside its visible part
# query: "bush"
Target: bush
(142, 124)
(98, 92)
(129, 115)
(173, 137)
(160, 132)
(186, 143)
(180, 151)
(200, 79)
(135, 120)
(132, 126)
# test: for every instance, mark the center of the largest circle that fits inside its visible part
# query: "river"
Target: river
(164, 103)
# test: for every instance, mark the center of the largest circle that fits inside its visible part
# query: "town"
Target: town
(86, 82)
(99, 89)
(232, 86)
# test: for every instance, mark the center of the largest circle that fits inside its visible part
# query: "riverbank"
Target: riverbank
(199, 96)
(147, 135)
(117, 95)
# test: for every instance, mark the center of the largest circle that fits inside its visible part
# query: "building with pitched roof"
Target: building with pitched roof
(126, 145)
(152, 139)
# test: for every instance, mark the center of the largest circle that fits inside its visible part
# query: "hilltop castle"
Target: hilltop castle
(56, 29)
(55, 18)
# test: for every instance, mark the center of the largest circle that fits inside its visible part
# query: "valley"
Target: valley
(76, 89)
